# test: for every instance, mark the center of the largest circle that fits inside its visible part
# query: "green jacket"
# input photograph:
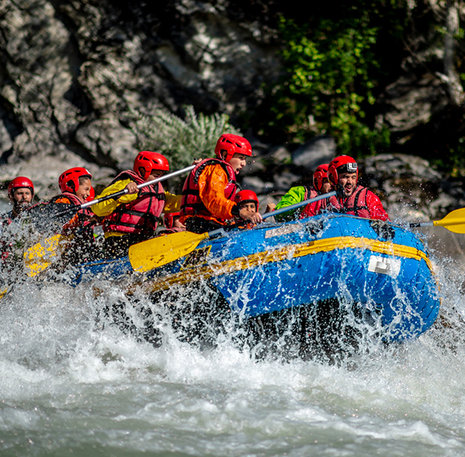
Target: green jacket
(294, 195)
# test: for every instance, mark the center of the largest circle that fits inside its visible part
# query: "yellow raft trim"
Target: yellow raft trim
(196, 272)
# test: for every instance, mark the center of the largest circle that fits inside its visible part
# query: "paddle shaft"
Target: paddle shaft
(125, 191)
(280, 211)
(421, 224)
(299, 205)
(454, 222)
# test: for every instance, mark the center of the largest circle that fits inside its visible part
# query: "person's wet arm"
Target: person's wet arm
(108, 206)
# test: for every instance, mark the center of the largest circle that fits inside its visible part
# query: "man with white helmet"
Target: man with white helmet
(351, 198)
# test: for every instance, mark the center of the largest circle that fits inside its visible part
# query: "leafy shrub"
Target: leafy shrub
(330, 82)
(181, 140)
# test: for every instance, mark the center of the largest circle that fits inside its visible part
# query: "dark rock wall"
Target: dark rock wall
(72, 71)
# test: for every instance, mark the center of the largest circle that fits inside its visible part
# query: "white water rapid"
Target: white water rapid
(72, 387)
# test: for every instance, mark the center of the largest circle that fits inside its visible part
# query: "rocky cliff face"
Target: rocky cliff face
(73, 70)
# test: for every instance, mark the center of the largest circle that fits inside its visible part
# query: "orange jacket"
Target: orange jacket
(212, 183)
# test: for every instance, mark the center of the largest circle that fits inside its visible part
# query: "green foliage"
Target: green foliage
(181, 140)
(453, 162)
(330, 83)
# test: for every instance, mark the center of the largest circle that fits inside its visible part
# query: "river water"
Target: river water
(70, 387)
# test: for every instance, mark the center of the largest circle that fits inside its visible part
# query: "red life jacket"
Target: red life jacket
(75, 200)
(141, 215)
(310, 192)
(356, 204)
(312, 208)
(83, 224)
(191, 204)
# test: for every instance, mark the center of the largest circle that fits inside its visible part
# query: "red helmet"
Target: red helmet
(69, 179)
(146, 161)
(341, 164)
(229, 144)
(20, 181)
(320, 173)
(246, 196)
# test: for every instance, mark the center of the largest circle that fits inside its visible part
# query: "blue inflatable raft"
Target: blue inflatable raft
(377, 270)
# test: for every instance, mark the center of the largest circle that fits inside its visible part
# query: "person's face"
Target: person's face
(238, 162)
(22, 197)
(326, 186)
(250, 207)
(84, 189)
(348, 183)
(154, 174)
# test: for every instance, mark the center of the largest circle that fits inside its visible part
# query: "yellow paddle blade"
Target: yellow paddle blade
(164, 249)
(39, 257)
(454, 221)
(3, 292)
